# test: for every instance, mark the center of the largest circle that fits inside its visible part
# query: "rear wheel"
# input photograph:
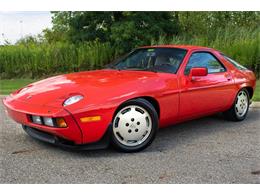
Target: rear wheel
(239, 110)
(134, 125)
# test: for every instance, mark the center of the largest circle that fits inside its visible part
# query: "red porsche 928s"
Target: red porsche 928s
(125, 104)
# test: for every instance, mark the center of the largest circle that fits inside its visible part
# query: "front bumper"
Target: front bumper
(19, 112)
(61, 142)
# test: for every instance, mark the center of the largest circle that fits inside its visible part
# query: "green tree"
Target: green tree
(124, 29)
(139, 28)
(209, 23)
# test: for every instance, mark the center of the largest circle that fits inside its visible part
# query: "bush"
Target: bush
(39, 60)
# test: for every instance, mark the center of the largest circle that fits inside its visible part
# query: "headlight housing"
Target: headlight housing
(72, 100)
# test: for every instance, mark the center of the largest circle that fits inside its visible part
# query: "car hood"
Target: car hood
(93, 85)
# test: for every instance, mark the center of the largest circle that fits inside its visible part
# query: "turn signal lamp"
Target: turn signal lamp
(90, 119)
(61, 122)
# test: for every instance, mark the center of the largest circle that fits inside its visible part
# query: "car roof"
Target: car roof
(187, 47)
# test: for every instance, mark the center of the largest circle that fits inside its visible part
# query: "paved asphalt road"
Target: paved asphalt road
(208, 150)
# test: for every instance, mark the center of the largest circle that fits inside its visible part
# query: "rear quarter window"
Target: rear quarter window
(236, 64)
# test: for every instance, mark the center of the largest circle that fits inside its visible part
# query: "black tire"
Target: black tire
(231, 114)
(154, 126)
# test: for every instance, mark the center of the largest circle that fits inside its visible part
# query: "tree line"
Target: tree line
(236, 33)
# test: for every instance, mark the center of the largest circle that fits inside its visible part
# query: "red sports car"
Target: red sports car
(126, 103)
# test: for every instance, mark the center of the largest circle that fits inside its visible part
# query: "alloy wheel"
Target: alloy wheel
(132, 125)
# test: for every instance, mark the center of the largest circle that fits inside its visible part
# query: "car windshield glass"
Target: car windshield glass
(152, 59)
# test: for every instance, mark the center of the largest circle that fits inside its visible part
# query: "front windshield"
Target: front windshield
(152, 59)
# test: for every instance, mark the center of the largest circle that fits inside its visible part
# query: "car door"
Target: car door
(205, 94)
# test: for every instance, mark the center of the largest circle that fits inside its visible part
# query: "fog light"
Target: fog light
(37, 119)
(48, 121)
(61, 122)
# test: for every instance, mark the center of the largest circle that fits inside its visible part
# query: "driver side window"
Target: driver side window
(204, 59)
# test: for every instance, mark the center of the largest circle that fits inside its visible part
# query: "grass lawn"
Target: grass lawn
(257, 92)
(7, 86)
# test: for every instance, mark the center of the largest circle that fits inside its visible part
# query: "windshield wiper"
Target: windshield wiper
(146, 69)
(134, 69)
(150, 69)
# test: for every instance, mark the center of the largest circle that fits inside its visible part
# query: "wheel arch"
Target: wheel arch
(150, 99)
(248, 87)
(154, 102)
(250, 91)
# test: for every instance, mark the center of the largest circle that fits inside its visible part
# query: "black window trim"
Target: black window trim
(201, 51)
(228, 58)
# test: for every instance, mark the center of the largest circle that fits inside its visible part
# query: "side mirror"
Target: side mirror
(198, 72)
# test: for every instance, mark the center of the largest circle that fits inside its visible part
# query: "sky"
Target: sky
(15, 25)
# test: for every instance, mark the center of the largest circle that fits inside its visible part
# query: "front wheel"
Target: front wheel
(239, 110)
(134, 125)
